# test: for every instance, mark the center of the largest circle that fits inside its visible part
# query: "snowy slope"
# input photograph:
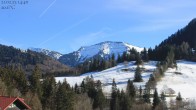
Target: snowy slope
(121, 77)
(185, 83)
(53, 54)
(104, 50)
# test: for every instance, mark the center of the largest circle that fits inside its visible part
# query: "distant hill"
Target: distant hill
(103, 50)
(10, 56)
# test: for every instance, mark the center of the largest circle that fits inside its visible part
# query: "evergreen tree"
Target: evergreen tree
(113, 60)
(64, 97)
(151, 84)
(140, 91)
(114, 97)
(179, 98)
(163, 96)
(146, 96)
(145, 55)
(90, 87)
(150, 54)
(156, 99)
(49, 90)
(35, 81)
(76, 89)
(99, 99)
(170, 58)
(124, 101)
(124, 56)
(131, 89)
(119, 59)
(114, 87)
(138, 59)
(137, 76)
(21, 79)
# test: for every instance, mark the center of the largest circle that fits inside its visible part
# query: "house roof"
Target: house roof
(5, 102)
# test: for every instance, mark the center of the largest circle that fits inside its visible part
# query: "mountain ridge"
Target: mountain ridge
(53, 54)
(103, 50)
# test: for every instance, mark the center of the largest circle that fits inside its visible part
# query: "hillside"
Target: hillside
(184, 82)
(10, 56)
(182, 44)
(121, 77)
(182, 79)
(103, 50)
(187, 34)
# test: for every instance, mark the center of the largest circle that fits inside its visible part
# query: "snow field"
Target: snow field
(121, 77)
(182, 79)
(185, 82)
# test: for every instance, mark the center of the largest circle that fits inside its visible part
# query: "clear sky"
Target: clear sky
(66, 25)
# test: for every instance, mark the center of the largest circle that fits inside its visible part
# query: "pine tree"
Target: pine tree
(145, 55)
(151, 84)
(137, 76)
(156, 99)
(119, 59)
(64, 97)
(179, 98)
(146, 96)
(114, 97)
(49, 90)
(83, 87)
(138, 59)
(99, 99)
(162, 96)
(131, 89)
(170, 58)
(76, 89)
(22, 81)
(113, 60)
(124, 101)
(114, 87)
(35, 81)
(124, 56)
(90, 87)
(140, 91)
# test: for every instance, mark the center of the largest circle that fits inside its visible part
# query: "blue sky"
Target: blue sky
(66, 25)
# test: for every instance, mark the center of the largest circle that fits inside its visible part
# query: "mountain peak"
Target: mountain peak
(53, 54)
(103, 50)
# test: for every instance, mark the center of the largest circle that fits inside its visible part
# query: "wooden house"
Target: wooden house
(12, 103)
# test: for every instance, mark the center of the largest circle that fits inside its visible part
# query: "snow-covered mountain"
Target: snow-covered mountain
(103, 50)
(52, 54)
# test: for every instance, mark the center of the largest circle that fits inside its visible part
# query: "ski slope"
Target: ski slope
(121, 77)
(185, 83)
